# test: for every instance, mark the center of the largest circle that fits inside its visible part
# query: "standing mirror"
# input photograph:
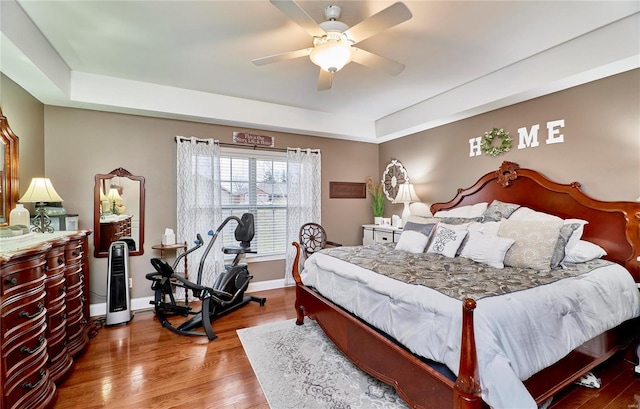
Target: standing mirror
(118, 212)
(9, 191)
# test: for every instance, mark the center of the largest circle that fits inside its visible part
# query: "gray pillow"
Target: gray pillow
(498, 210)
(425, 229)
(563, 238)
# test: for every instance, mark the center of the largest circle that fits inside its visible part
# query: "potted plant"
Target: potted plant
(377, 199)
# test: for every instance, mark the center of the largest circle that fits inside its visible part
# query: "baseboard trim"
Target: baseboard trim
(100, 309)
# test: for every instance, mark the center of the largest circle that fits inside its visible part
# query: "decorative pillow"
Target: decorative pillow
(561, 247)
(498, 210)
(426, 228)
(446, 241)
(584, 251)
(475, 210)
(415, 237)
(525, 213)
(412, 241)
(535, 242)
(486, 249)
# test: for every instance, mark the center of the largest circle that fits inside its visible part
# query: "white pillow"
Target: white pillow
(577, 234)
(525, 213)
(486, 249)
(446, 241)
(584, 251)
(475, 210)
(412, 241)
(490, 228)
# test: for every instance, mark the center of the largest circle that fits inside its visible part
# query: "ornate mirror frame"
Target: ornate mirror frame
(394, 175)
(101, 243)
(9, 177)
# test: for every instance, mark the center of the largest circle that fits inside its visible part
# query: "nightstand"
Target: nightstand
(373, 233)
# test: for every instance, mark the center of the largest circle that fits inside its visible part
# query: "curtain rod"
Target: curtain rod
(233, 145)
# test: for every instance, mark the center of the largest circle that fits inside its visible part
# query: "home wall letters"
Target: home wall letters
(526, 138)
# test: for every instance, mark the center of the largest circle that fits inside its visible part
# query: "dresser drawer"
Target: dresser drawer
(22, 276)
(20, 351)
(22, 312)
(30, 384)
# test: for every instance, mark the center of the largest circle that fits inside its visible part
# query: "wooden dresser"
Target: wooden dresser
(112, 228)
(44, 316)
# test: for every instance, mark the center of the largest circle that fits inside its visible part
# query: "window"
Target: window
(256, 182)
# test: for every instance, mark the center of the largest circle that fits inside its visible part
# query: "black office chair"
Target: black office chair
(313, 237)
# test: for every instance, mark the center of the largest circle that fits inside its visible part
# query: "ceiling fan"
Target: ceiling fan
(333, 40)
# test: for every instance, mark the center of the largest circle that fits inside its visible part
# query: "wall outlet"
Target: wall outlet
(130, 282)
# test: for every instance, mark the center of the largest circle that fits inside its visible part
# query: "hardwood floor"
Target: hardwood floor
(142, 365)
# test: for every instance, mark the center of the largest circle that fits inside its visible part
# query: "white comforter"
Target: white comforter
(517, 334)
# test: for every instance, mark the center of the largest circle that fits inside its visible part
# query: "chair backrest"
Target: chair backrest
(312, 238)
(245, 231)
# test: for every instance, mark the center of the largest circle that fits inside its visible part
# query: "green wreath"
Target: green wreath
(487, 142)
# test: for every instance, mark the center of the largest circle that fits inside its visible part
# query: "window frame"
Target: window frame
(253, 155)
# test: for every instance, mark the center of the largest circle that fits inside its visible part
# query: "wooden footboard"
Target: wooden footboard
(416, 382)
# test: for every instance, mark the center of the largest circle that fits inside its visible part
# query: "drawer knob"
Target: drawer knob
(28, 385)
(60, 261)
(26, 314)
(11, 281)
(27, 351)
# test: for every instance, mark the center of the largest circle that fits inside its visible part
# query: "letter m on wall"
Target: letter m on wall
(528, 139)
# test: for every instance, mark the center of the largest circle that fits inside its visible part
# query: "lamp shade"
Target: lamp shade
(406, 194)
(40, 190)
(113, 194)
(332, 55)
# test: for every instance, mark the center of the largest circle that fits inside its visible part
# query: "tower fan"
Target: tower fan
(118, 297)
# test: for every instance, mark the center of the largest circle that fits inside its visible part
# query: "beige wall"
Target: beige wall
(81, 143)
(601, 148)
(26, 118)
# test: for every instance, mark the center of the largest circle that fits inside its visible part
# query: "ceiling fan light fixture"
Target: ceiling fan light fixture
(331, 56)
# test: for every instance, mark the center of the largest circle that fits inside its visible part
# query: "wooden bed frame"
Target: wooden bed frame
(615, 226)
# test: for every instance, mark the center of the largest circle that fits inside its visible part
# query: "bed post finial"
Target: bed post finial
(508, 171)
(466, 390)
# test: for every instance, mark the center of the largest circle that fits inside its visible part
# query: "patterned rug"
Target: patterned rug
(298, 367)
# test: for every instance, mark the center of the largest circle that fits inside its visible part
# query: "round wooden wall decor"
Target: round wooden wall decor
(394, 175)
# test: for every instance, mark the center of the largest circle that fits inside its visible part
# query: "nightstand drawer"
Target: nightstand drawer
(383, 236)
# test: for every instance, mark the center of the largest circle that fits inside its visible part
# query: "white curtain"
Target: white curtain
(303, 198)
(199, 204)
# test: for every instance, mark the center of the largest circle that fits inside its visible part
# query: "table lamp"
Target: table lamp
(41, 191)
(406, 194)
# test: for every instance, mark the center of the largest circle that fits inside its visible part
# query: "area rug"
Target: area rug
(299, 367)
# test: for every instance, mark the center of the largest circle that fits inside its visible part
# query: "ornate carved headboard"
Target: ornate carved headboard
(615, 226)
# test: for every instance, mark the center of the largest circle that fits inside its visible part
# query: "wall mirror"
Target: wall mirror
(9, 190)
(118, 212)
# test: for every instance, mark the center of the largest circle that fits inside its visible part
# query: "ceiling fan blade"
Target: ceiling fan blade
(325, 80)
(299, 16)
(282, 57)
(387, 18)
(376, 62)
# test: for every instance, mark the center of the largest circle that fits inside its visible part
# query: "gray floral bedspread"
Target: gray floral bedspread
(457, 277)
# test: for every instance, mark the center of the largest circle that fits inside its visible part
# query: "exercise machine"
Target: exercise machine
(226, 294)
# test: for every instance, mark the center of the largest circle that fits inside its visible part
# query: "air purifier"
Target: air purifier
(118, 296)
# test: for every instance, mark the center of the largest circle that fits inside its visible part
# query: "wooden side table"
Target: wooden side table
(181, 246)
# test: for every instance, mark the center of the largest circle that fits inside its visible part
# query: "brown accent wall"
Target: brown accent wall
(601, 148)
(81, 143)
